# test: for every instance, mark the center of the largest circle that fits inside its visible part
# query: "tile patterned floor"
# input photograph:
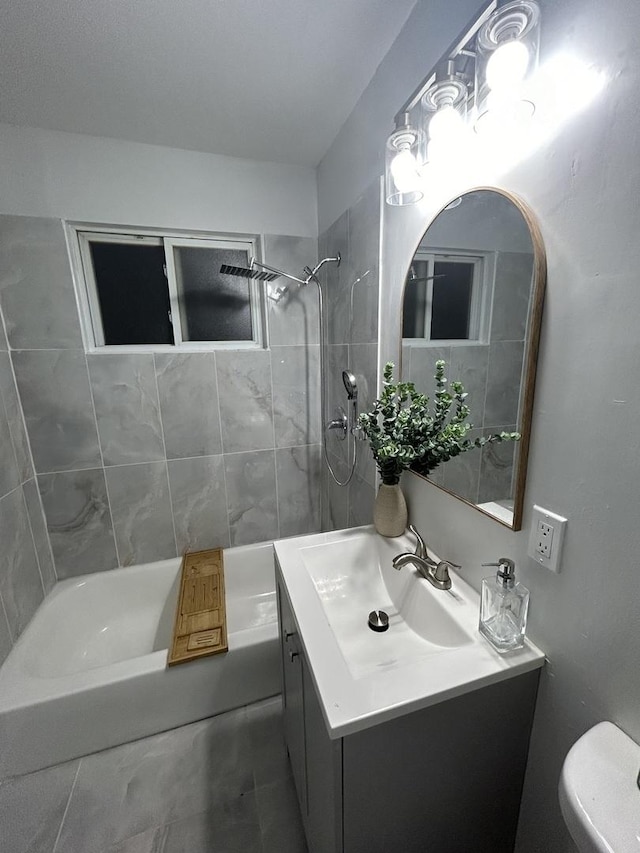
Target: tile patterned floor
(222, 785)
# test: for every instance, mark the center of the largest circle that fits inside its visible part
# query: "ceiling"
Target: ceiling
(261, 79)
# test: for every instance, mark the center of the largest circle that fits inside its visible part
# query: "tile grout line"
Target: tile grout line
(33, 539)
(273, 427)
(164, 448)
(177, 459)
(222, 454)
(102, 466)
(6, 619)
(64, 816)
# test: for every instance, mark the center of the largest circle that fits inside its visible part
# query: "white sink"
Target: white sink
(431, 652)
(353, 577)
(598, 791)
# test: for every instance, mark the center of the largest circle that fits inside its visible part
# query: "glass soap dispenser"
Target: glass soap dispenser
(503, 609)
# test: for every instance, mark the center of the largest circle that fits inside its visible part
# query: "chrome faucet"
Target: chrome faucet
(436, 573)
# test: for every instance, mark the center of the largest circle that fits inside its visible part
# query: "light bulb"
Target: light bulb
(507, 66)
(404, 169)
(446, 124)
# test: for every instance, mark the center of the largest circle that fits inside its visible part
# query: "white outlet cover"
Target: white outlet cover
(552, 562)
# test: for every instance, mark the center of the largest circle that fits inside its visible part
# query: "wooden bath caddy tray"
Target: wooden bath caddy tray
(200, 628)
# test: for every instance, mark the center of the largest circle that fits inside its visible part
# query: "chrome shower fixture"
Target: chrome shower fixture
(249, 272)
(267, 273)
(350, 385)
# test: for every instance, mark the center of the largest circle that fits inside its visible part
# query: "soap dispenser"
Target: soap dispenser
(503, 609)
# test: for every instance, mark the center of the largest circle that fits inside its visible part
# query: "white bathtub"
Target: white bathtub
(89, 672)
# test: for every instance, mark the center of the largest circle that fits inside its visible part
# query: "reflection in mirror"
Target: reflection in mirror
(473, 297)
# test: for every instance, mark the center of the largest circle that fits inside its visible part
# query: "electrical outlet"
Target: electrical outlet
(545, 541)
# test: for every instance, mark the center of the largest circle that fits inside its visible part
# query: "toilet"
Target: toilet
(599, 793)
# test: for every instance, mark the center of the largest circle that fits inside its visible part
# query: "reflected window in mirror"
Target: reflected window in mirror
(447, 296)
(473, 298)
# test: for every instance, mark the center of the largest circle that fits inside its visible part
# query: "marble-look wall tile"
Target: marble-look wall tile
(296, 395)
(9, 474)
(251, 496)
(13, 410)
(141, 511)
(512, 289)
(469, 365)
(127, 410)
(299, 492)
(5, 638)
(40, 534)
(423, 367)
(79, 521)
(362, 496)
(294, 319)
(335, 509)
(4, 343)
(497, 467)
(461, 474)
(20, 583)
(362, 265)
(36, 288)
(503, 383)
(32, 808)
(199, 503)
(246, 405)
(56, 397)
(189, 404)
(336, 282)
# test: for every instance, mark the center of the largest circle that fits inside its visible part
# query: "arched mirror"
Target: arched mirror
(473, 298)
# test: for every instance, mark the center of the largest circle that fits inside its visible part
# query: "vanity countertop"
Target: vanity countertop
(432, 651)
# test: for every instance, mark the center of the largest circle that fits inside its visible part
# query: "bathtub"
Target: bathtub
(89, 672)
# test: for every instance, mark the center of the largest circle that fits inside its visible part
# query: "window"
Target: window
(142, 290)
(446, 297)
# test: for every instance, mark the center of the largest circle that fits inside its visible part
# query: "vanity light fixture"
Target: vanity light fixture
(445, 111)
(441, 99)
(403, 158)
(507, 49)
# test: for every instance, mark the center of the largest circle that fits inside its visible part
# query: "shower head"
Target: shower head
(245, 272)
(350, 384)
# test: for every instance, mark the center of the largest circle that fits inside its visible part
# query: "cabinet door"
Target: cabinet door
(293, 698)
(324, 775)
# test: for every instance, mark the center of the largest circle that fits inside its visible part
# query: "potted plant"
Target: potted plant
(407, 429)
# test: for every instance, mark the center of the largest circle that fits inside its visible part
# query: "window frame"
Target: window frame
(80, 234)
(481, 296)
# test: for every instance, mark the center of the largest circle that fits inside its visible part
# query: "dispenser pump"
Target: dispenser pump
(506, 574)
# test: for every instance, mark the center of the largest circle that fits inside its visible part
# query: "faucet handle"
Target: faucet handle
(421, 548)
(442, 571)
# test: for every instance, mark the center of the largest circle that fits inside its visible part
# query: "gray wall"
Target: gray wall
(26, 565)
(351, 298)
(584, 462)
(139, 457)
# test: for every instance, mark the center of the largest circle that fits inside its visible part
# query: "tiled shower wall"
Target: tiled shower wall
(352, 335)
(141, 456)
(26, 565)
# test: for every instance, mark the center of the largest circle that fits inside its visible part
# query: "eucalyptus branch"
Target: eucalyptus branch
(407, 429)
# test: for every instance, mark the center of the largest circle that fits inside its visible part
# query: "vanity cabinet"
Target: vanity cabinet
(446, 778)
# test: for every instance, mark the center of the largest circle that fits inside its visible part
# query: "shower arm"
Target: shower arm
(311, 273)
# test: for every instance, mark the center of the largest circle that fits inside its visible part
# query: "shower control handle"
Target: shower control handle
(340, 423)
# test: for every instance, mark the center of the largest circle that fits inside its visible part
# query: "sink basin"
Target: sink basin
(598, 791)
(431, 652)
(353, 577)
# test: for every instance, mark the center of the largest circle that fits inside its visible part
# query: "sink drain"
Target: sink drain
(378, 620)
